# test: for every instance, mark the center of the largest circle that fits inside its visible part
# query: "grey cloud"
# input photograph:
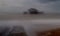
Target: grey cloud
(49, 6)
(46, 1)
(23, 5)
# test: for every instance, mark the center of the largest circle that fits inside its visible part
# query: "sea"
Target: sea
(31, 23)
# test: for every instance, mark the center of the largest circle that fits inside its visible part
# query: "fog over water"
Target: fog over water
(27, 23)
(30, 23)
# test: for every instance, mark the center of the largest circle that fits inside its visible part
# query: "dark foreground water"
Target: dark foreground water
(30, 26)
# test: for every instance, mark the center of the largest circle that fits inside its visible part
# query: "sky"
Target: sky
(17, 6)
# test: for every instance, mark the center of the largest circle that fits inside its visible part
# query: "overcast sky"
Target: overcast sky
(23, 5)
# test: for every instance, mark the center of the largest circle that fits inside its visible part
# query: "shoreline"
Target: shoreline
(28, 17)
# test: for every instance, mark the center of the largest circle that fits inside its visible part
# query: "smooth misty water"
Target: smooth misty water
(31, 26)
